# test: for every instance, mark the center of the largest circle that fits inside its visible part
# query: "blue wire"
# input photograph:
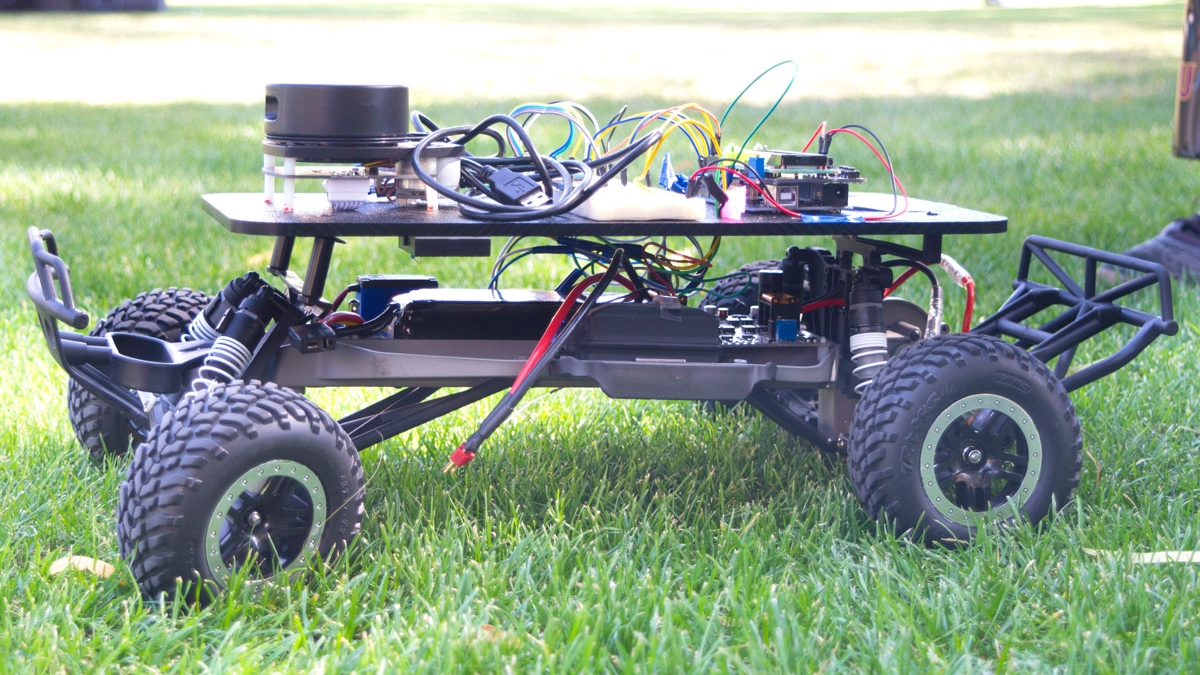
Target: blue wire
(556, 111)
(612, 125)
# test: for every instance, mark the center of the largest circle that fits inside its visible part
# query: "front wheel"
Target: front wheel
(962, 431)
(244, 476)
(161, 313)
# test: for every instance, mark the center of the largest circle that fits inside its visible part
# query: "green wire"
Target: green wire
(746, 143)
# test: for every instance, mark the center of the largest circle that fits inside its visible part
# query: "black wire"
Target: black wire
(636, 149)
(612, 126)
(921, 267)
(626, 159)
(501, 144)
(886, 157)
(481, 210)
(750, 171)
(538, 162)
(495, 211)
(508, 403)
(422, 123)
(467, 174)
(373, 326)
(465, 134)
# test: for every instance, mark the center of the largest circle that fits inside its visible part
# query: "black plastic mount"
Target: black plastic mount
(1079, 310)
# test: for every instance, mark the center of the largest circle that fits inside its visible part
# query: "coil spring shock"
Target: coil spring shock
(868, 352)
(200, 329)
(205, 325)
(240, 331)
(226, 360)
(868, 335)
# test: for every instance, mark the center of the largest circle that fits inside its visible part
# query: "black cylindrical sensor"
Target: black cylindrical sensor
(336, 112)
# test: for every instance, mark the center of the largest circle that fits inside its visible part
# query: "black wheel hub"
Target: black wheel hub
(985, 454)
(270, 518)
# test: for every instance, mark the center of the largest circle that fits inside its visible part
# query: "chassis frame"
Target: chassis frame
(655, 348)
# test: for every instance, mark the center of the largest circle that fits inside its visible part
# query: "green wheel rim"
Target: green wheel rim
(271, 517)
(981, 459)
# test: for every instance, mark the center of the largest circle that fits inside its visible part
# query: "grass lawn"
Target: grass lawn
(592, 534)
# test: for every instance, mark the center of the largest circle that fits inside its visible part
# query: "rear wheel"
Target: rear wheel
(161, 313)
(964, 431)
(739, 292)
(245, 478)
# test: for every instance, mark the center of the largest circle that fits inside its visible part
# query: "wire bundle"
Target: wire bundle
(652, 264)
(558, 184)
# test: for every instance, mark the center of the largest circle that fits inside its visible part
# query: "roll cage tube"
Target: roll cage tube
(1079, 309)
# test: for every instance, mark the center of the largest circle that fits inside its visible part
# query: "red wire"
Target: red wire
(552, 328)
(884, 162)
(970, 308)
(346, 318)
(900, 282)
(748, 181)
(820, 130)
(821, 304)
(557, 321)
(968, 286)
(340, 297)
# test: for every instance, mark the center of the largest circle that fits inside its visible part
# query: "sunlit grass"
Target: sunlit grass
(447, 51)
(592, 534)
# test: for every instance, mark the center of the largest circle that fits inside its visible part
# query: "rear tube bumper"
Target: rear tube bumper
(1053, 320)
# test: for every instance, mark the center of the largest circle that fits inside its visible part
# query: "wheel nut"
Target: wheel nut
(973, 455)
(254, 519)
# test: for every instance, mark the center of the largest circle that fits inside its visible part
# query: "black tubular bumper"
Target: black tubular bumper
(1073, 310)
(110, 366)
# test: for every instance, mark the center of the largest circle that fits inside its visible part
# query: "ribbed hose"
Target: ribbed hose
(933, 325)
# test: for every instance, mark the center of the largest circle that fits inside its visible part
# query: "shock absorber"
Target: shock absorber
(233, 348)
(868, 335)
(205, 325)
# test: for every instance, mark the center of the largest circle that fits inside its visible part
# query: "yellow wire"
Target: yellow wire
(704, 132)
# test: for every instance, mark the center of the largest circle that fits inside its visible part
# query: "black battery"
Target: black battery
(474, 314)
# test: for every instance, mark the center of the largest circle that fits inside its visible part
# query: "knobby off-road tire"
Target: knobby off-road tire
(793, 409)
(241, 475)
(739, 293)
(161, 313)
(960, 432)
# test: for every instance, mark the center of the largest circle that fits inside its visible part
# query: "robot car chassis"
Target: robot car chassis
(943, 432)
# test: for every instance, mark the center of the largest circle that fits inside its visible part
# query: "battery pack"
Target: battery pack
(474, 314)
(375, 291)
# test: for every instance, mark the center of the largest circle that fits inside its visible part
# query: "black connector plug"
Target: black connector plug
(517, 189)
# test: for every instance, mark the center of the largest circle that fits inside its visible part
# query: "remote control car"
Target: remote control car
(944, 432)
